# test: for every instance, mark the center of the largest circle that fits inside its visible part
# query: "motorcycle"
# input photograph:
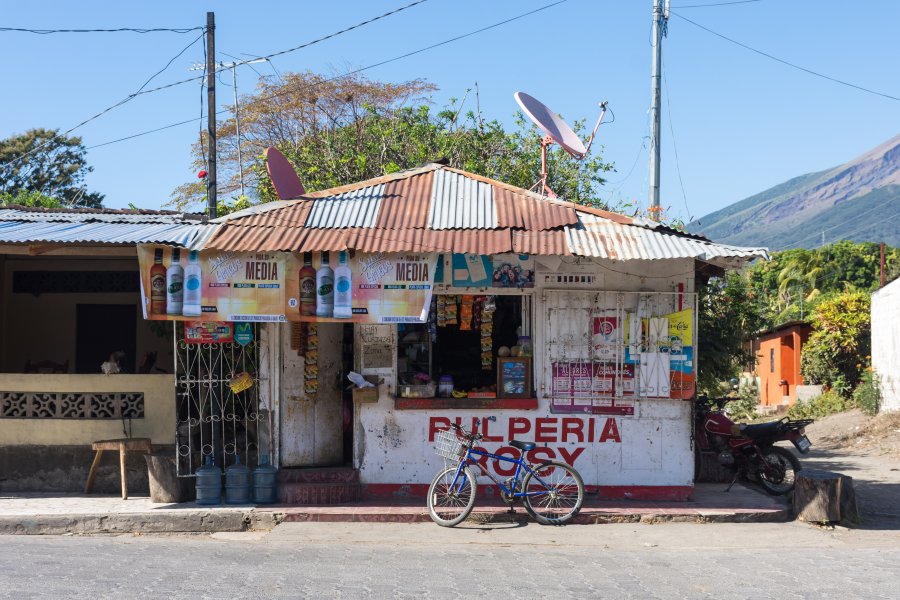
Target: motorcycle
(750, 450)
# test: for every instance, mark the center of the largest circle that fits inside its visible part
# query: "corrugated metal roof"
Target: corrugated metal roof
(440, 209)
(599, 237)
(405, 203)
(357, 208)
(460, 202)
(187, 235)
(73, 216)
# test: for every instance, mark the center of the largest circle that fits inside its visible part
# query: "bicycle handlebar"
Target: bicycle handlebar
(471, 436)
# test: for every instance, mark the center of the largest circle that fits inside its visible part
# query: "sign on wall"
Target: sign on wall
(177, 284)
(359, 287)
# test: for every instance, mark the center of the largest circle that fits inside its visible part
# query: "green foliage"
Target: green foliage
(350, 129)
(839, 347)
(867, 395)
(828, 403)
(727, 316)
(29, 198)
(743, 408)
(43, 161)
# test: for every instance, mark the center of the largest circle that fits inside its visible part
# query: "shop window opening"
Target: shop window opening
(466, 342)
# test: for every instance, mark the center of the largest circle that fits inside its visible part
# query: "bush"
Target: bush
(840, 338)
(743, 408)
(867, 395)
(828, 403)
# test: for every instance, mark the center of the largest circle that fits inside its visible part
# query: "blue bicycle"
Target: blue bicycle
(552, 492)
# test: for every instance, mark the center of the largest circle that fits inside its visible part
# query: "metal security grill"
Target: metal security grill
(212, 418)
(607, 349)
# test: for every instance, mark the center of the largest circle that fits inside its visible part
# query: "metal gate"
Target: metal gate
(214, 415)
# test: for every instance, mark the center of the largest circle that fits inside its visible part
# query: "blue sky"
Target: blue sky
(742, 123)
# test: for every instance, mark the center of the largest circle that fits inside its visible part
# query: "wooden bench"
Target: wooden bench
(124, 446)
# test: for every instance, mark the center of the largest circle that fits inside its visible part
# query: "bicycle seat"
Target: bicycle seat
(523, 446)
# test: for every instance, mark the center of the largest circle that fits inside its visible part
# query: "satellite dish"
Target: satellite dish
(550, 123)
(557, 131)
(283, 175)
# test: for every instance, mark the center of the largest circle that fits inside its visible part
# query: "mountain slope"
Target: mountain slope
(859, 201)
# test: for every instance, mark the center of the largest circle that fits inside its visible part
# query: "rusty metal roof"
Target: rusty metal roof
(439, 209)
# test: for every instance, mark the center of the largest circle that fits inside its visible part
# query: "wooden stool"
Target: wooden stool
(123, 446)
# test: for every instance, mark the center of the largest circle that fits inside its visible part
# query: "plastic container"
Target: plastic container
(209, 483)
(525, 345)
(238, 483)
(417, 391)
(265, 482)
(445, 386)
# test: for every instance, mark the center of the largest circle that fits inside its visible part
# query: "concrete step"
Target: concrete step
(318, 475)
(317, 494)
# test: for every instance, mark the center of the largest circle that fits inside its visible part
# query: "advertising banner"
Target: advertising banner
(177, 284)
(591, 387)
(201, 332)
(358, 287)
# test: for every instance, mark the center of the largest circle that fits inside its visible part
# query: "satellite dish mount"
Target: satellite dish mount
(556, 130)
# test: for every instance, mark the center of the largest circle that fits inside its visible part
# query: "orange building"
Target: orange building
(778, 362)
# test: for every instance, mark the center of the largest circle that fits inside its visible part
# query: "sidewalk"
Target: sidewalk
(81, 514)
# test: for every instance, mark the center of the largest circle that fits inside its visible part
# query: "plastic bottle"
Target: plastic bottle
(324, 289)
(193, 286)
(158, 284)
(175, 284)
(307, 286)
(343, 289)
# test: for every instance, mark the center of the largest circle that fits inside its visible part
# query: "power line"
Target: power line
(384, 62)
(716, 4)
(117, 30)
(109, 108)
(675, 147)
(784, 62)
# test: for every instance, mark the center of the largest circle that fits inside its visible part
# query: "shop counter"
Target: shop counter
(465, 403)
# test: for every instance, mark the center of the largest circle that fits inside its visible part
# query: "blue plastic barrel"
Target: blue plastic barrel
(209, 483)
(265, 482)
(238, 483)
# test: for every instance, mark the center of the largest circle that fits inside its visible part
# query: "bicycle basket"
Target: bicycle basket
(448, 445)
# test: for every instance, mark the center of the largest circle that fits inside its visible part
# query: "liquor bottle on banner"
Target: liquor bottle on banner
(324, 289)
(175, 284)
(193, 290)
(158, 284)
(307, 287)
(343, 288)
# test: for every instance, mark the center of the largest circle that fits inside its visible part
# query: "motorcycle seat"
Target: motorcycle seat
(761, 430)
(523, 446)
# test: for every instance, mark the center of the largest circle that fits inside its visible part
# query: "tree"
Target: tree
(25, 198)
(342, 130)
(839, 348)
(729, 314)
(43, 161)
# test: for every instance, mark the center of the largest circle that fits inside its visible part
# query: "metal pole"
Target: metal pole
(237, 125)
(882, 264)
(655, 84)
(211, 110)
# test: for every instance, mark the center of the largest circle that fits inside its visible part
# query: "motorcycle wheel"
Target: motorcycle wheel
(778, 470)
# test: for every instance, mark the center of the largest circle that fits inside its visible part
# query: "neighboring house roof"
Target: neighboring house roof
(784, 327)
(440, 209)
(78, 226)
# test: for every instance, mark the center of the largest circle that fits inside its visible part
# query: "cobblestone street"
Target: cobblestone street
(353, 560)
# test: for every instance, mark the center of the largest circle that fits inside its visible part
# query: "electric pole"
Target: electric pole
(211, 112)
(660, 18)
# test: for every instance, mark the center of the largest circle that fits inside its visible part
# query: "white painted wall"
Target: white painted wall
(393, 447)
(886, 343)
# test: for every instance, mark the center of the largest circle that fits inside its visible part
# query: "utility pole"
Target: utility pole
(660, 18)
(211, 110)
(882, 264)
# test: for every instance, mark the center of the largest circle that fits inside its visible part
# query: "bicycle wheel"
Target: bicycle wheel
(449, 504)
(555, 493)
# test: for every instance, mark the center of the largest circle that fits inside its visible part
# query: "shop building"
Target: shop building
(476, 302)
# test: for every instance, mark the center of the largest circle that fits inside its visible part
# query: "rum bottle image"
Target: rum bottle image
(175, 284)
(307, 287)
(193, 288)
(343, 288)
(158, 284)
(324, 289)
